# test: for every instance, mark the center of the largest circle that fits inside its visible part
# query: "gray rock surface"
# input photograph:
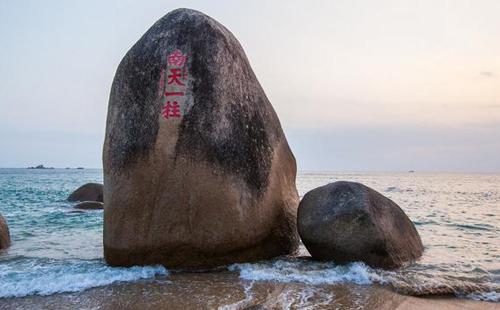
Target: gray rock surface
(197, 170)
(87, 192)
(90, 205)
(347, 221)
(4, 234)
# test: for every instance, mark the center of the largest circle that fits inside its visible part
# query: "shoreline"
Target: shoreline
(225, 290)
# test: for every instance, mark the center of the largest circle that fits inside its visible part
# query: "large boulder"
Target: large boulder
(197, 170)
(87, 192)
(347, 221)
(4, 234)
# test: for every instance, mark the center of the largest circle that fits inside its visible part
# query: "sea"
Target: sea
(58, 249)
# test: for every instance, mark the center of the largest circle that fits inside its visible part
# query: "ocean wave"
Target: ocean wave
(307, 271)
(394, 189)
(46, 277)
(328, 273)
(477, 226)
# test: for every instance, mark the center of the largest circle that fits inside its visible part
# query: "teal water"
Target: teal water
(54, 247)
(58, 249)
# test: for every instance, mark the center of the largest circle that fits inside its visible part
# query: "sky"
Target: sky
(358, 85)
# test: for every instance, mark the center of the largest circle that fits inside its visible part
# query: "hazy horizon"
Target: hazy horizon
(357, 85)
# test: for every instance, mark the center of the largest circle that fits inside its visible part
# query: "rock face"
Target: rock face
(87, 192)
(4, 234)
(90, 205)
(197, 170)
(346, 221)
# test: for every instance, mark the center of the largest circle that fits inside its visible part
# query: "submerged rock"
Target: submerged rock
(90, 205)
(4, 234)
(87, 192)
(197, 170)
(347, 221)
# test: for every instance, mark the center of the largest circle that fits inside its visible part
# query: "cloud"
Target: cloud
(487, 74)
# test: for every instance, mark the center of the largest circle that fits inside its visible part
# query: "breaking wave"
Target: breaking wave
(307, 271)
(327, 273)
(46, 277)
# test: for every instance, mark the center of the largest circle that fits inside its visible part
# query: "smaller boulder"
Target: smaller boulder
(347, 221)
(4, 234)
(87, 192)
(90, 205)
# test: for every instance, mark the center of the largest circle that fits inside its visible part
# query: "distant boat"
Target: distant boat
(411, 171)
(80, 168)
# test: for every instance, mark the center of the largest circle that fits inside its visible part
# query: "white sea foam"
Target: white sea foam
(284, 298)
(308, 272)
(321, 273)
(308, 298)
(49, 277)
(242, 303)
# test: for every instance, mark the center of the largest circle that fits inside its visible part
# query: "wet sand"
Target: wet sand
(224, 290)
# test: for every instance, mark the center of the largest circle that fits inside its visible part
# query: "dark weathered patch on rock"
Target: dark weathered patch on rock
(245, 150)
(244, 147)
(87, 192)
(347, 221)
(136, 127)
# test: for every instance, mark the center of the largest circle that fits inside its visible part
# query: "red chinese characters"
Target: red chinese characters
(171, 109)
(175, 86)
(174, 77)
(176, 59)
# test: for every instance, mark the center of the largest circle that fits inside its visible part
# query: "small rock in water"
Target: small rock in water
(4, 234)
(347, 221)
(87, 192)
(197, 169)
(90, 205)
